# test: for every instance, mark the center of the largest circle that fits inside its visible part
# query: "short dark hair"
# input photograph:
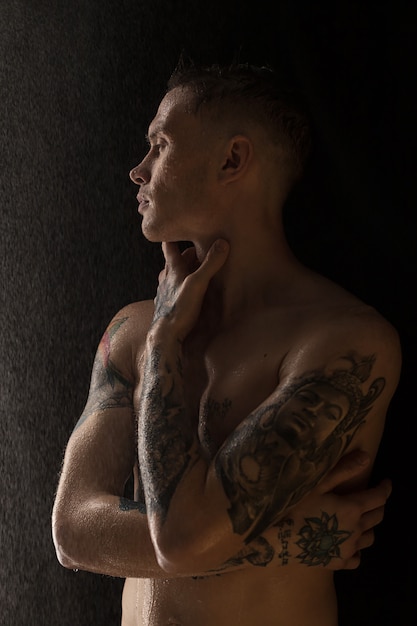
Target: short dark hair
(257, 93)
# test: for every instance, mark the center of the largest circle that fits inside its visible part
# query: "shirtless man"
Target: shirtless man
(241, 396)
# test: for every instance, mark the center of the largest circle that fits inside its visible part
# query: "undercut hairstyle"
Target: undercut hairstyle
(255, 94)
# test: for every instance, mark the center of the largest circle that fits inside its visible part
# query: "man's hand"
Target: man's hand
(183, 284)
(325, 529)
(330, 529)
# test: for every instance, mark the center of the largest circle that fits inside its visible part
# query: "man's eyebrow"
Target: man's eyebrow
(158, 130)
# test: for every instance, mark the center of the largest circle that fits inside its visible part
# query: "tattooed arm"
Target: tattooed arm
(94, 527)
(331, 385)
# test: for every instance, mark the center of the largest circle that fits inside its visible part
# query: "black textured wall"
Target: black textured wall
(79, 84)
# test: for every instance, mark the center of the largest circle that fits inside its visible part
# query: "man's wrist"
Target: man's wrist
(162, 333)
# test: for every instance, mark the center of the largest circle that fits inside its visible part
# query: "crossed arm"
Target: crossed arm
(97, 529)
(207, 510)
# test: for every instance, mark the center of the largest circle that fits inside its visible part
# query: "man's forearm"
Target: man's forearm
(165, 435)
(108, 535)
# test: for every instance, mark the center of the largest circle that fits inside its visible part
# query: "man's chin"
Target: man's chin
(158, 235)
(153, 238)
(152, 234)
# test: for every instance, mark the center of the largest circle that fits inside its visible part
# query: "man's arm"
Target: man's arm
(95, 528)
(316, 531)
(207, 511)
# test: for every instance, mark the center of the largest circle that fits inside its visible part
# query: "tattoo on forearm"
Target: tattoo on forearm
(109, 388)
(164, 301)
(285, 529)
(258, 553)
(285, 448)
(320, 539)
(165, 438)
(212, 411)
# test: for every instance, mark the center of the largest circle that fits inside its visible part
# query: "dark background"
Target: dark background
(79, 84)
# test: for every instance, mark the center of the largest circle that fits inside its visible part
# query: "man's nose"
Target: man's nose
(138, 175)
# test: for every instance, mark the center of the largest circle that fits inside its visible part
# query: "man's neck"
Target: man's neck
(258, 272)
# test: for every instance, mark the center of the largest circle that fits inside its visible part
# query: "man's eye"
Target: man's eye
(157, 147)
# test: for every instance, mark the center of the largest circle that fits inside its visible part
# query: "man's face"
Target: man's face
(176, 175)
(312, 413)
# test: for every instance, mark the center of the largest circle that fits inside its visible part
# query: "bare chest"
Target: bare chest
(228, 379)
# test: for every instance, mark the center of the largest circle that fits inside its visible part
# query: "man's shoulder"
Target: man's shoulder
(140, 311)
(129, 326)
(328, 322)
(339, 336)
(355, 324)
(333, 312)
(359, 323)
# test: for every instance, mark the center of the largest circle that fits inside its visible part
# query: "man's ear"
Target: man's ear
(237, 157)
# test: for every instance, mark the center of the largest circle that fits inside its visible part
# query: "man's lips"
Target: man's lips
(143, 202)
